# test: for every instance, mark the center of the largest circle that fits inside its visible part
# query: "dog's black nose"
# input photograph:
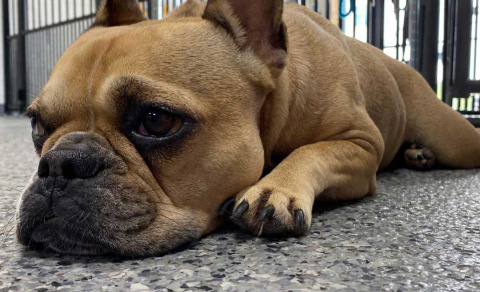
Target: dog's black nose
(70, 164)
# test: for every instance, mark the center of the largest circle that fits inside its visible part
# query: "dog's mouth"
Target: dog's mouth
(55, 235)
(69, 247)
(101, 226)
(95, 218)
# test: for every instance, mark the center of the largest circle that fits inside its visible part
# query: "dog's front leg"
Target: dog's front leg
(340, 169)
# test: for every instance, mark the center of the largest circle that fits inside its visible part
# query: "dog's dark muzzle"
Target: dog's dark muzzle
(80, 200)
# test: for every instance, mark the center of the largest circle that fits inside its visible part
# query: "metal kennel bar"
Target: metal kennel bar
(461, 59)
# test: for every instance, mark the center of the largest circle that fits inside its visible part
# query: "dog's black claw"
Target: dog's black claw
(299, 219)
(266, 213)
(227, 207)
(238, 213)
(420, 157)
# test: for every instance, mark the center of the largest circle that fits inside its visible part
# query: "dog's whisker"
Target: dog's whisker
(8, 232)
(169, 211)
(5, 233)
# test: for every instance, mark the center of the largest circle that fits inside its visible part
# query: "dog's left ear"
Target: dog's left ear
(119, 12)
(254, 24)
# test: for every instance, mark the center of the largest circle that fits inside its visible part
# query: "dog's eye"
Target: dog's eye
(159, 123)
(37, 127)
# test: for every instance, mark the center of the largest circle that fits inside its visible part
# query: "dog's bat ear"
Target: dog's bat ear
(119, 12)
(254, 24)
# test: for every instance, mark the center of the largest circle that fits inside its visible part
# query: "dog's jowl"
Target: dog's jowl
(146, 128)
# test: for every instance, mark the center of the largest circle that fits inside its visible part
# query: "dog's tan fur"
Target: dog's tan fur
(326, 112)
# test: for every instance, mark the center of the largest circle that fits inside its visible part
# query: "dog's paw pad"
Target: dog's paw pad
(419, 157)
(269, 211)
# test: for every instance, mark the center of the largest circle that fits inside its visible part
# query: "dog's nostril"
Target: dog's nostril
(68, 170)
(43, 168)
(84, 167)
(70, 164)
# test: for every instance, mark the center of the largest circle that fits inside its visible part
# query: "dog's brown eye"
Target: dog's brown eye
(159, 123)
(37, 127)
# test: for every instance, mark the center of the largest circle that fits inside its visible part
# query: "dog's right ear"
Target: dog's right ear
(255, 25)
(119, 12)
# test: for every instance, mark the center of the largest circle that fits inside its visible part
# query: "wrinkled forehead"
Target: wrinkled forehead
(172, 58)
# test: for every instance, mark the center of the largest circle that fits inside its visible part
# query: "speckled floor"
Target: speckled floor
(420, 232)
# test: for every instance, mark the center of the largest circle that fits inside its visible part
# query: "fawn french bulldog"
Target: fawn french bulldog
(146, 128)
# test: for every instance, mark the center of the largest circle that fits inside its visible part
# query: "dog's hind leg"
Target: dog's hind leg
(453, 141)
(418, 157)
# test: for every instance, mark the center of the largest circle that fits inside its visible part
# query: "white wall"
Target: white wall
(2, 66)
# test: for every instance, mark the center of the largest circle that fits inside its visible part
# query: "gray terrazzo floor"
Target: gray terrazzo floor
(420, 232)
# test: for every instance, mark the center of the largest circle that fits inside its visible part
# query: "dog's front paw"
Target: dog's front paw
(263, 210)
